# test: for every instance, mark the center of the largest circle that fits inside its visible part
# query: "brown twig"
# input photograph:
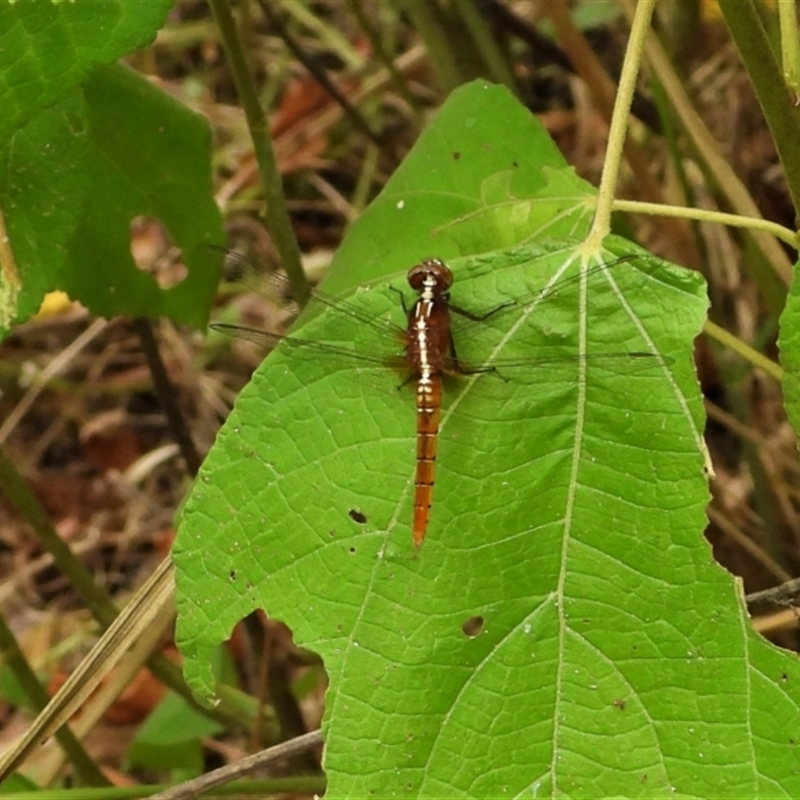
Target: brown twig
(232, 771)
(319, 74)
(166, 393)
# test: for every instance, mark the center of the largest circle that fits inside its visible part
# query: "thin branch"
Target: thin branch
(232, 771)
(776, 99)
(276, 211)
(167, 395)
(319, 74)
(601, 224)
(785, 594)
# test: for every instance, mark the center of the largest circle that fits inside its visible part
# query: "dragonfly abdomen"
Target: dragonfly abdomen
(429, 354)
(429, 404)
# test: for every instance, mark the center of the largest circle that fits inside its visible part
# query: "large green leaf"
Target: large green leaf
(47, 49)
(86, 146)
(562, 493)
(564, 630)
(150, 157)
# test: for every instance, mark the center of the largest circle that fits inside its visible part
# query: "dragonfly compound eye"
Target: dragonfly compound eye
(431, 269)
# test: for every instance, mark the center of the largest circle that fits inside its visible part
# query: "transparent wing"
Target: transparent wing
(386, 347)
(303, 348)
(277, 290)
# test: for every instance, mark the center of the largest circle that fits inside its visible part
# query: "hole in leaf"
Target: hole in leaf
(357, 516)
(473, 626)
(154, 252)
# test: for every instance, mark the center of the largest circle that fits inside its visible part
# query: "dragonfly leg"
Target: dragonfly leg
(402, 298)
(463, 312)
(458, 368)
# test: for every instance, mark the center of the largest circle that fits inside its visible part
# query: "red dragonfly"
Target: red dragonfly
(429, 352)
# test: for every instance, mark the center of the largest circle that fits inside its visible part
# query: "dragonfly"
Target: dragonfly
(425, 350)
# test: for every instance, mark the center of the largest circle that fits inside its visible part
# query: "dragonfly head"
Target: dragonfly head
(431, 274)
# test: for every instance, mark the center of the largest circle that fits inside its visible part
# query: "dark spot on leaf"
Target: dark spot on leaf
(232, 574)
(784, 677)
(472, 627)
(515, 164)
(357, 516)
(352, 549)
(456, 155)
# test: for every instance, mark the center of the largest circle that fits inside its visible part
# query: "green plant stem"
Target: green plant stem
(369, 165)
(744, 350)
(705, 215)
(496, 63)
(15, 660)
(385, 58)
(601, 225)
(771, 282)
(440, 52)
(603, 91)
(766, 75)
(276, 211)
(20, 495)
(331, 39)
(790, 44)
